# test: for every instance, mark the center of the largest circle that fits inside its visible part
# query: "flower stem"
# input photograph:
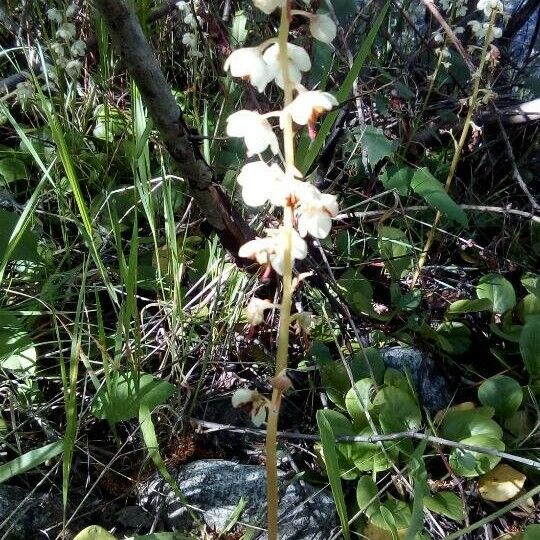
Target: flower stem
(272, 491)
(473, 102)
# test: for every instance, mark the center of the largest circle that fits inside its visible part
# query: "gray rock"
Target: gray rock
(30, 520)
(216, 486)
(432, 386)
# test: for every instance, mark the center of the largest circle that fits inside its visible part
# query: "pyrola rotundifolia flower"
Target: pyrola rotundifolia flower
(255, 129)
(307, 106)
(259, 182)
(66, 31)
(253, 401)
(323, 28)
(315, 212)
(272, 248)
(268, 5)
(189, 39)
(255, 310)
(298, 62)
(487, 6)
(248, 63)
(54, 15)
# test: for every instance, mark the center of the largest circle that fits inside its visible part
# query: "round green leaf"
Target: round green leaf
(502, 393)
(497, 289)
(94, 532)
(358, 400)
(529, 346)
(459, 424)
(469, 463)
(370, 456)
(472, 305)
(397, 409)
(447, 504)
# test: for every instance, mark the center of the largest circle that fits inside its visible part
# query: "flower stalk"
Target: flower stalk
(305, 209)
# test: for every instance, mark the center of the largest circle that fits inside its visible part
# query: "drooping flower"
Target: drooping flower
(71, 10)
(308, 105)
(252, 402)
(315, 212)
(255, 310)
(182, 5)
(73, 68)
(487, 6)
(271, 249)
(189, 40)
(59, 49)
(298, 62)
(248, 63)
(267, 6)
(78, 48)
(322, 28)
(55, 15)
(255, 130)
(66, 31)
(259, 182)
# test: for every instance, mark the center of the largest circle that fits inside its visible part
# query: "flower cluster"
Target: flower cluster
(67, 49)
(274, 179)
(456, 7)
(480, 29)
(193, 23)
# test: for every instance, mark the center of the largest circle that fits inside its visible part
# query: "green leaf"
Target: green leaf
(398, 178)
(470, 306)
(363, 360)
(529, 346)
(370, 456)
(366, 495)
(502, 393)
(332, 468)
(17, 351)
(358, 400)
(238, 29)
(394, 515)
(447, 504)
(31, 459)
(499, 290)
(459, 424)
(395, 250)
(531, 532)
(357, 289)
(397, 410)
(454, 337)
(94, 532)
(469, 463)
(12, 169)
(26, 247)
(126, 394)
(532, 283)
(377, 144)
(432, 191)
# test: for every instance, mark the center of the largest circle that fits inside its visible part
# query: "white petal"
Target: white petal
(258, 416)
(241, 397)
(299, 56)
(323, 28)
(267, 6)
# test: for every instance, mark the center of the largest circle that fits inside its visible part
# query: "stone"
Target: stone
(215, 487)
(36, 514)
(431, 384)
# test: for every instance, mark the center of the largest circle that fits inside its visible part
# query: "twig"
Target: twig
(213, 426)
(420, 208)
(515, 171)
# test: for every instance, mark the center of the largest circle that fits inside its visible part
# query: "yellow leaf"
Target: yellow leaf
(94, 532)
(372, 532)
(501, 484)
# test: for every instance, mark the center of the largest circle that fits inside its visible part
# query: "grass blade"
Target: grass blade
(331, 459)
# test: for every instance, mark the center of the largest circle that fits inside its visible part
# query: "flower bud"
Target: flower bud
(322, 28)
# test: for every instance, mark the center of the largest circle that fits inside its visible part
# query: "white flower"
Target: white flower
(182, 6)
(487, 6)
(255, 310)
(255, 129)
(58, 48)
(71, 10)
(307, 106)
(323, 28)
(66, 31)
(272, 248)
(459, 30)
(248, 63)
(78, 48)
(190, 20)
(73, 68)
(189, 40)
(298, 62)
(24, 91)
(253, 401)
(267, 6)
(315, 213)
(259, 182)
(55, 15)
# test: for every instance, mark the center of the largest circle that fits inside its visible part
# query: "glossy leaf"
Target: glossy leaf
(499, 290)
(447, 504)
(502, 393)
